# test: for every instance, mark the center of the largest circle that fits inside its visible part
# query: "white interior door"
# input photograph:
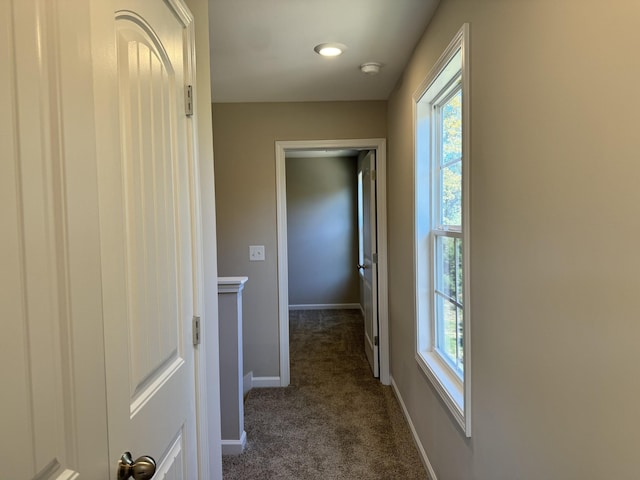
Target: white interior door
(149, 226)
(53, 414)
(368, 251)
(78, 80)
(32, 346)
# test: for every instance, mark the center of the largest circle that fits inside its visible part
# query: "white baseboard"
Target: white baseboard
(234, 447)
(423, 453)
(265, 382)
(326, 306)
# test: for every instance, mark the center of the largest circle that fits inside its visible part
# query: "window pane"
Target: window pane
(451, 195)
(446, 325)
(446, 266)
(450, 161)
(460, 356)
(459, 270)
(452, 129)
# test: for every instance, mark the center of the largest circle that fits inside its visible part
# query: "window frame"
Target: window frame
(453, 385)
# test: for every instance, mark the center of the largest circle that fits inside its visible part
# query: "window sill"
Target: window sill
(447, 384)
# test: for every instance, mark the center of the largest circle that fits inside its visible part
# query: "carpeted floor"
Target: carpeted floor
(335, 421)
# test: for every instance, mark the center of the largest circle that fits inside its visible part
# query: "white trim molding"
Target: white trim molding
(326, 306)
(380, 147)
(423, 453)
(265, 382)
(231, 284)
(234, 447)
(249, 382)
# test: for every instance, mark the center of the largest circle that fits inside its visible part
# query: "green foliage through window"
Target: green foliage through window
(449, 306)
(451, 161)
(448, 246)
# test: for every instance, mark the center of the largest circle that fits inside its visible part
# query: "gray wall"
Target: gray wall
(322, 230)
(244, 136)
(554, 230)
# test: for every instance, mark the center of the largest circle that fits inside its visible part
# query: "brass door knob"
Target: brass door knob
(143, 468)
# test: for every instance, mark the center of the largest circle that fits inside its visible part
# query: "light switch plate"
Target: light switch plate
(256, 253)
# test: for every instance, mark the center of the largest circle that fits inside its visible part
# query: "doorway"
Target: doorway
(322, 230)
(378, 147)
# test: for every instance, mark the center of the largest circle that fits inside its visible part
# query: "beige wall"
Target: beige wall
(244, 146)
(322, 230)
(555, 166)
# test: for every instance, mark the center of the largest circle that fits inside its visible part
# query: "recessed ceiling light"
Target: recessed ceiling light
(330, 49)
(370, 68)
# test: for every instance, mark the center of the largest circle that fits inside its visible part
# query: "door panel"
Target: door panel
(148, 222)
(150, 213)
(36, 415)
(369, 272)
(172, 466)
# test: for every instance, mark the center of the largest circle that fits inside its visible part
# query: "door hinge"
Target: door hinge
(375, 340)
(374, 258)
(373, 175)
(188, 100)
(196, 330)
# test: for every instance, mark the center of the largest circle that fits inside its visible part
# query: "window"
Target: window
(442, 233)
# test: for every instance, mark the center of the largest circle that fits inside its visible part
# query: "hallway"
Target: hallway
(335, 421)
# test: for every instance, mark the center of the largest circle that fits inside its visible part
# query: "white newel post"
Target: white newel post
(234, 438)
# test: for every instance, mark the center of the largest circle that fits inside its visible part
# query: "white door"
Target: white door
(83, 271)
(149, 226)
(53, 415)
(368, 251)
(32, 416)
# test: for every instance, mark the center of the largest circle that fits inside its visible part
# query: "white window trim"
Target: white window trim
(454, 391)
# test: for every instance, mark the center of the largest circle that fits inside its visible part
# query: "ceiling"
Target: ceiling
(262, 50)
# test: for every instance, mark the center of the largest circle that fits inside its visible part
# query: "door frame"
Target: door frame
(379, 145)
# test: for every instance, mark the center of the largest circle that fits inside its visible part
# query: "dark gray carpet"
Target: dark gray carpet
(335, 421)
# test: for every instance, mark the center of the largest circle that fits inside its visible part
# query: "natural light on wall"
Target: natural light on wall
(442, 227)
